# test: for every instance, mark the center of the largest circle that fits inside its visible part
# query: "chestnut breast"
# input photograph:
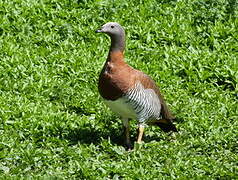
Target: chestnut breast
(116, 77)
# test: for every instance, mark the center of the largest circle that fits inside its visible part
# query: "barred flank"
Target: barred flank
(145, 102)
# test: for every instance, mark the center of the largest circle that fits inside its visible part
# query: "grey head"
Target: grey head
(116, 33)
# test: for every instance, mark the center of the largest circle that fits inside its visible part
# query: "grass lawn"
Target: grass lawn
(54, 125)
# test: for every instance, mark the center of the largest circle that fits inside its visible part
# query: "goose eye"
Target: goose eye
(112, 27)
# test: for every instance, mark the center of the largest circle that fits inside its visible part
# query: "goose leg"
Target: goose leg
(126, 126)
(140, 134)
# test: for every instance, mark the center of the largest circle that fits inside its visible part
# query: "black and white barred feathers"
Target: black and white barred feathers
(144, 102)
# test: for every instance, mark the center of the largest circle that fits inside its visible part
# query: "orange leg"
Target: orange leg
(140, 134)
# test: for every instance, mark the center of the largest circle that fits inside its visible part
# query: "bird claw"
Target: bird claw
(129, 147)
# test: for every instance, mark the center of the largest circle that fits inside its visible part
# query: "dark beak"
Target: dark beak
(98, 31)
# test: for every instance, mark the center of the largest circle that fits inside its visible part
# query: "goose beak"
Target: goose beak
(98, 31)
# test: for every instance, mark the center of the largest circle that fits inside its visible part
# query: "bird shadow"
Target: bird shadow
(87, 134)
(90, 135)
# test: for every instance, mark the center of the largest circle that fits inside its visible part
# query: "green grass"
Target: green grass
(53, 122)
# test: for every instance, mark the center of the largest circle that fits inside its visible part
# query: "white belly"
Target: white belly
(121, 108)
